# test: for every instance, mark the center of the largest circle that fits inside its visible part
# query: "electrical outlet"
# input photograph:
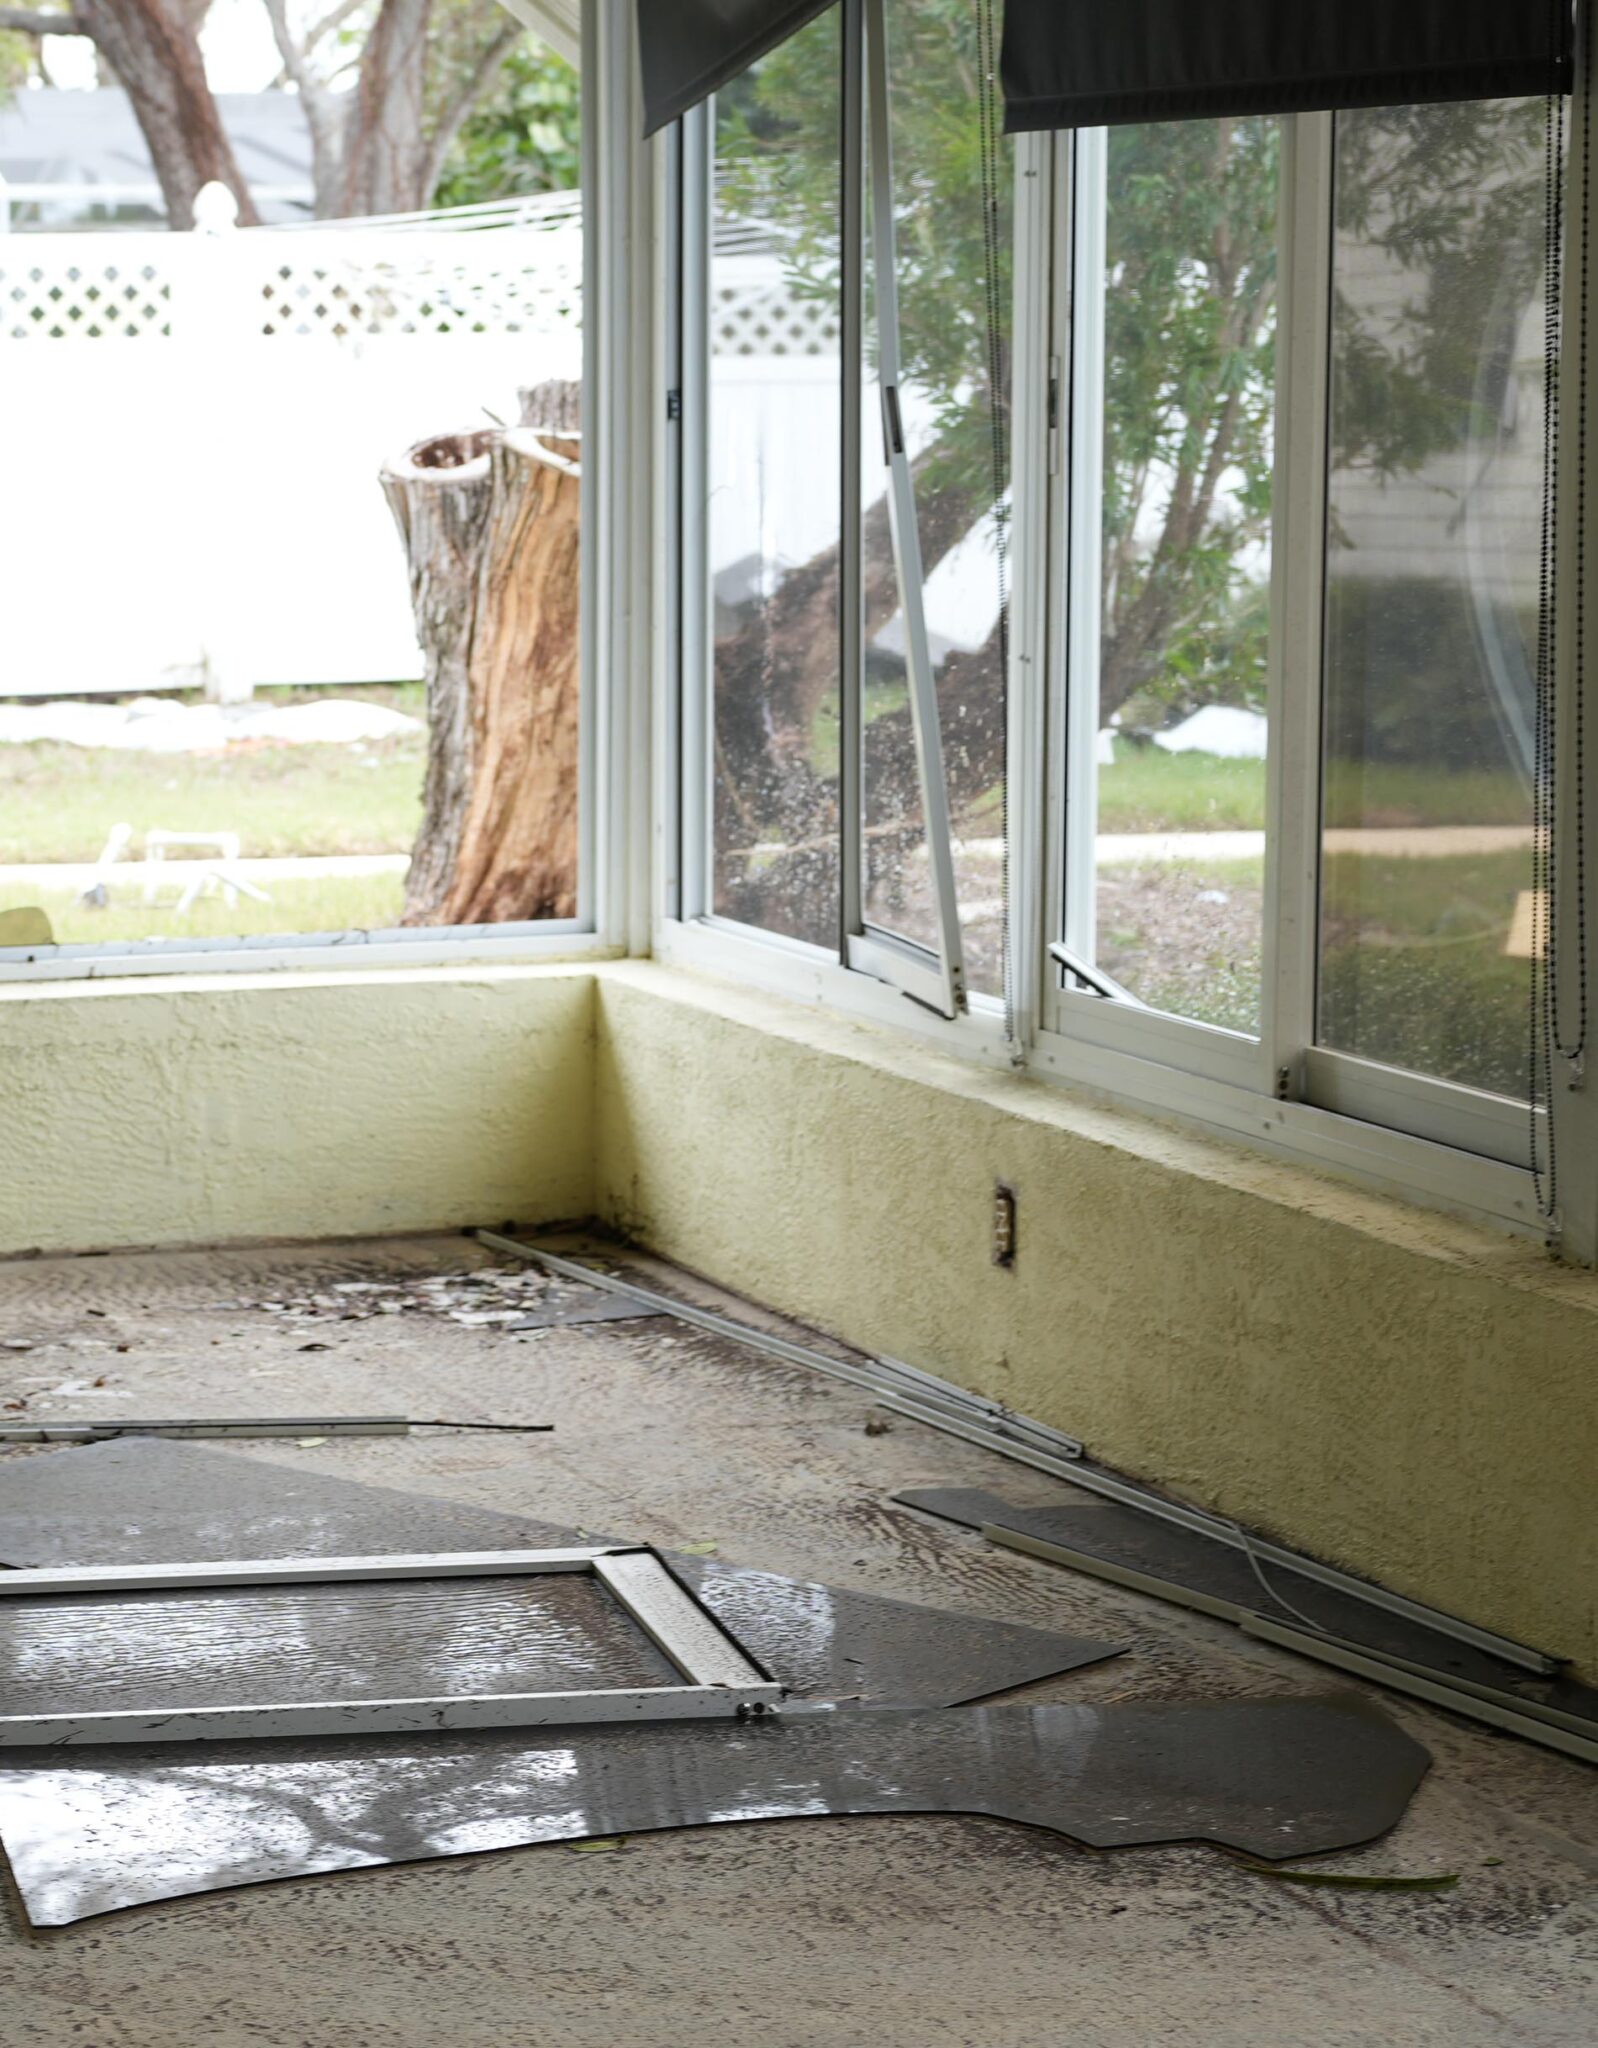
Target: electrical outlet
(1003, 1224)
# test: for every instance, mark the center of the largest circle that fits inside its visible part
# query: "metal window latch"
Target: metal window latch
(1093, 980)
(892, 424)
(674, 405)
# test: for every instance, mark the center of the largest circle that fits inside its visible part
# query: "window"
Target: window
(1297, 546)
(773, 490)
(304, 665)
(845, 687)
(1173, 431)
(1433, 543)
(1258, 427)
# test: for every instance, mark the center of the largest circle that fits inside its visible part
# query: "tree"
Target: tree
(1188, 428)
(387, 87)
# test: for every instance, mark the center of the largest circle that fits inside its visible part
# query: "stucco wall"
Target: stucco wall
(165, 1111)
(1400, 1393)
(1404, 1394)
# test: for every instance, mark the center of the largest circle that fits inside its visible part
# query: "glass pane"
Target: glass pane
(775, 489)
(1432, 582)
(238, 689)
(1189, 359)
(948, 401)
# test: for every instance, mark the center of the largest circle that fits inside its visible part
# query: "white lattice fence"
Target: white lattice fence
(49, 294)
(355, 285)
(267, 375)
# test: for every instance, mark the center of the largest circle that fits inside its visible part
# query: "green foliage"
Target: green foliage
(1189, 359)
(16, 63)
(778, 154)
(1452, 194)
(523, 137)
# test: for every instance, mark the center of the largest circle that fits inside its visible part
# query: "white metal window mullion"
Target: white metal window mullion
(1081, 618)
(692, 707)
(1034, 408)
(933, 977)
(851, 510)
(1298, 581)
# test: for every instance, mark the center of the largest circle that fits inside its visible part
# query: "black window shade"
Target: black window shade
(690, 48)
(1096, 63)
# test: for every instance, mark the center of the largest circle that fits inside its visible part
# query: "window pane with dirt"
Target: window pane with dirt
(775, 489)
(1433, 556)
(955, 312)
(1188, 313)
(235, 699)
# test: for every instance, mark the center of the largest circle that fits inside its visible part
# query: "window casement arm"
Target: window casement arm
(1093, 979)
(934, 977)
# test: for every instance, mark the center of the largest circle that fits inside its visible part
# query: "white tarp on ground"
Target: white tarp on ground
(155, 725)
(1224, 729)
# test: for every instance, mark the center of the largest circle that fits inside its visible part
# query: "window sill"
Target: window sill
(1386, 1162)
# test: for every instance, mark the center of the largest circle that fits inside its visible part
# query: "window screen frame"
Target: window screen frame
(718, 1678)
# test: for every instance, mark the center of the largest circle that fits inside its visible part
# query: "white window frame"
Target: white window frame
(1401, 1134)
(612, 861)
(931, 976)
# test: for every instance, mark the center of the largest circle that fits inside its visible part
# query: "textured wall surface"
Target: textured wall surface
(1404, 1394)
(172, 1111)
(1407, 1395)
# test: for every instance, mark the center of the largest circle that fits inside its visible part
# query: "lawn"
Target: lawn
(338, 903)
(58, 803)
(1149, 790)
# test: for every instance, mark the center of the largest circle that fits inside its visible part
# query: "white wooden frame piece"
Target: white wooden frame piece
(719, 1679)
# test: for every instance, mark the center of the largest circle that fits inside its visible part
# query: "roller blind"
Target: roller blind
(689, 48)
(1095, 63)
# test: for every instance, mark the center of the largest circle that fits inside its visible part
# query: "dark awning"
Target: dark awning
(1092, 63)
(689, 48)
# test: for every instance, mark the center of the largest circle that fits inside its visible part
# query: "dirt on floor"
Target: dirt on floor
(835, 1933)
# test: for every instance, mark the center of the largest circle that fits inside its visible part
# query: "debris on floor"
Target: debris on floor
(1329, 1623)
(1268, 1777)
(521, 1299)
(148, 1500)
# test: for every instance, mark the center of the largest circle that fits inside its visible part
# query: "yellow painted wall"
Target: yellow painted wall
(1403, 1394)
(172, 1111)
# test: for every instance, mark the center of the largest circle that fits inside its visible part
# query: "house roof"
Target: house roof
(72, 141)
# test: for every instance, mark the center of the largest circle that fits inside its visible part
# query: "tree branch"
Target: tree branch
(26, 21)
(322, 113)
(477, 81)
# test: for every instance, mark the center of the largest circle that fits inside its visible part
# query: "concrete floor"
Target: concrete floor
(811, 1934)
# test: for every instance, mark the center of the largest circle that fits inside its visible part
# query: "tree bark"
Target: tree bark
(490, 523)
(154, 49)
(385, 146)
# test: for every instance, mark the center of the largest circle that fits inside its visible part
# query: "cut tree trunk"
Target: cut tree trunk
(490, 523)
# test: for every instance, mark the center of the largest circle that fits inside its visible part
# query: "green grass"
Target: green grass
(1149, 790)
(331, 904)
(58, 803)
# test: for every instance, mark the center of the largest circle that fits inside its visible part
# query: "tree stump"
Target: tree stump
(490, 524)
